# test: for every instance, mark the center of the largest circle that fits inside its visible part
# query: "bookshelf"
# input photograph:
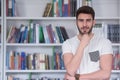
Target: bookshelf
(33, 10)
(1, 39)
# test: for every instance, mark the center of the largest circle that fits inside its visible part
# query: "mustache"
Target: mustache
(85, 27)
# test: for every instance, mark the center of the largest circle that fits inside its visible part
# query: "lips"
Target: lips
(85, 27)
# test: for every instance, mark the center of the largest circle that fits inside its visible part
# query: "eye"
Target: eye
(89, 20)
(80, 20)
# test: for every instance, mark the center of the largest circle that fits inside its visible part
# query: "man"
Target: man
(87, 56)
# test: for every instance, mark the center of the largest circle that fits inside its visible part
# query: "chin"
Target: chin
(85, 32)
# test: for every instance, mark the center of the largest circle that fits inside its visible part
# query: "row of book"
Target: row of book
(42, 78)
(36, 33)
(116, 78)
(116, 59)
(113, 33)
(110, 31)
(34, 61)
(64, 8)
(57, 8)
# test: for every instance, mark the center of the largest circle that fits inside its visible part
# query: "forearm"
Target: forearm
(98, 75)
(75, 62)
(105, 69)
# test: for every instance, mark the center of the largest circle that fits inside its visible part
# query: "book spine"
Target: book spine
(59, 34)
(9, 7)
(23, 60)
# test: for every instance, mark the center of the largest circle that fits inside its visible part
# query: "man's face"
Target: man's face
(85, 23)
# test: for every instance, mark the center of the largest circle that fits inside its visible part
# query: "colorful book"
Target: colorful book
(64, 33)
(41, 35)
(61, 39)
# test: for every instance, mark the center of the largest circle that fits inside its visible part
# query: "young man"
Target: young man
(87, 56)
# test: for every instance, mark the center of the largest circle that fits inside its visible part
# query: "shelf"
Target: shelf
(115, 44)
(35, 71)
(32, 10)
(43, 44)
(107, 18)
(115, 71)
(58, 18)
(45, 71)
(34, 44)
(41, 18)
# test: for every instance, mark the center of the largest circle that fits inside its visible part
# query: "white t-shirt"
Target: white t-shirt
(90, 61)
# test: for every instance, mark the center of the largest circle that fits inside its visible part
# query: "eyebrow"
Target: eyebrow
(84, 20)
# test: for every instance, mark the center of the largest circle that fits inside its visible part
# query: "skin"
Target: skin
(85, 24)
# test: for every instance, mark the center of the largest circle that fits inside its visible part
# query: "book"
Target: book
(47, 65)
(12, 35)
(55, 8)
(31, 33)
(66, 6)
(50, 33)
(22, 33)
(57, 60)
(61, 39)
(56, 38)
(16, 61)
(64, 33)
(17, 35)
(47, 40)
(60, 4)
(12, 65)
(14, 8)
(37, 59)
(8, 60)
(41, 35)
(47, 10)
(9, 7)
(30, 62)
(37, 33)
(113, 32)
(23, 60)
(25, 36)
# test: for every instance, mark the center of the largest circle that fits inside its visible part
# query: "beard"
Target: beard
(84, 31)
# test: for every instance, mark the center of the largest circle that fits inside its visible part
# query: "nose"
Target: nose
(84, 23)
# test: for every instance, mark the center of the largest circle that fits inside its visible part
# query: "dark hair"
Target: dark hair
(86, 10)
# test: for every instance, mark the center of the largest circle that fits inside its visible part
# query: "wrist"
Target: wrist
(70, 74)
(81, 47)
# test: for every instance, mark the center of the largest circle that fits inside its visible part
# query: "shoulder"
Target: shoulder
(71, 40)
(102, 40)
(67, 45)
